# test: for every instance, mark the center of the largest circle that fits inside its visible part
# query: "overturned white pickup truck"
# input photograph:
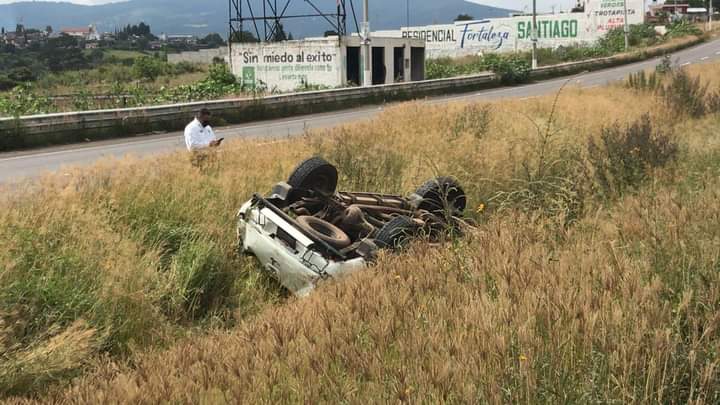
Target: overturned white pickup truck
(305, 231)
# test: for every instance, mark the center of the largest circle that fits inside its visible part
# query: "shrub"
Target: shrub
(713, 104)
(148, 68)
(475, 119)
(23, 101)
(625, 157)
(512, 69)
(220, 73)
(682, 28)
(686, 95)
(642, 81)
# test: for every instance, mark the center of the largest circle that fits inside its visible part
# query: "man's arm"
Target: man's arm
(211, 135)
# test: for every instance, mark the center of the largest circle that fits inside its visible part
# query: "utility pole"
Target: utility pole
(627, 27)
(365, 36)
(710, 15)
(534, 36)
(407, 9)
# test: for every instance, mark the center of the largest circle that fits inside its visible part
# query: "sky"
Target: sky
(545, 5)
(83, 2)
(521, 5)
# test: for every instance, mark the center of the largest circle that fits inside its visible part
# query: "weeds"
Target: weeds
(475, 120)
(549, 182)
(642, 81)
(626, 157)
(122, 280)
(685, 94)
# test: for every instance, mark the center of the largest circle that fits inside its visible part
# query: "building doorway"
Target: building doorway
(379, 71)
(352, 59)
(417, 64)
(399, 64)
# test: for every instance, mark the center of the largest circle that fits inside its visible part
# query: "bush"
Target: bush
(148, 68)
(220, 73)
(682, 28)
(686, 95)
(625, 157)
(640, 34)
(512, 69)
(642, 81)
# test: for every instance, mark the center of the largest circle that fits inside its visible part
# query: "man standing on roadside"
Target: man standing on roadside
(199, 134)
(200, 138)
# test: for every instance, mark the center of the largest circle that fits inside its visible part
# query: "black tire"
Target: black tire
(325, 231)
(396, 233)
(315, 174)
(441, 196)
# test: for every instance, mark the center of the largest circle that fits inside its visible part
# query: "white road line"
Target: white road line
(686, 63)
(717, 53)
(705, 58)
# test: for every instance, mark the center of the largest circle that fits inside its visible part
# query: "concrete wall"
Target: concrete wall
(288, 65)
(514, 34)
(203, 56)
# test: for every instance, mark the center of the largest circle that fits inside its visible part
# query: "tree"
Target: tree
(279, 34)
(244, 36)
(464, 17)
(147, 68)
(141, 30)
(213, 40)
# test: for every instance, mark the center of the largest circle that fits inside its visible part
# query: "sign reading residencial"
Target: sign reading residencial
(516, 33)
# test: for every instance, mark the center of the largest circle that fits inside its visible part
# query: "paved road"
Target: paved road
(21, 165)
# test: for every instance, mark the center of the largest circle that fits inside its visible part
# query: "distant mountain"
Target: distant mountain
(198, 17)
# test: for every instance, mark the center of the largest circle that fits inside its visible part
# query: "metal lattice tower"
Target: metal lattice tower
(264, 17)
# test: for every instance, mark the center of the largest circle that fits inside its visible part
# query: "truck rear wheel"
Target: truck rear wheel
(396, 233)
(441, 196)
(315, 174)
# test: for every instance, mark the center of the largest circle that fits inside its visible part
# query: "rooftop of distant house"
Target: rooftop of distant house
(84, 30)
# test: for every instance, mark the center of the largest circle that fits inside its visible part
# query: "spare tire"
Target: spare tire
(325, 231)
(315, 174)
(441, 195)
(396, 233)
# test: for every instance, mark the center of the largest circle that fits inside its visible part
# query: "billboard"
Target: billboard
(514, 34)
(285, 66)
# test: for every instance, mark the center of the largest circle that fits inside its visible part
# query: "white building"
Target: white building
(89, 33)
(327, 62)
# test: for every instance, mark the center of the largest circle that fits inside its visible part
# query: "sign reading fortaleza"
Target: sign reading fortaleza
(288, 65)
(515, 33)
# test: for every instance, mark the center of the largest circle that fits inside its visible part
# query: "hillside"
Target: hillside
(185, 16)
(590, 275)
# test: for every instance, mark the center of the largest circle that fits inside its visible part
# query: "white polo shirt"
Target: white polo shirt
(197, 136)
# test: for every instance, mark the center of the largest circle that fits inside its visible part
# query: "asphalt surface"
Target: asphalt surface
(17, 166)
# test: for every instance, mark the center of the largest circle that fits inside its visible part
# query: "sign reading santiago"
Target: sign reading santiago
(515, 33)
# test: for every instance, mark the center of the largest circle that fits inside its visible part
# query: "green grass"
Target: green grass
(122, 281)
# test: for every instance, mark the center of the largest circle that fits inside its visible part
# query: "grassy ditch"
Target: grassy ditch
(592, 275)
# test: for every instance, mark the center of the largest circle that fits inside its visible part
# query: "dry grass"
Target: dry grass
(558, 296)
